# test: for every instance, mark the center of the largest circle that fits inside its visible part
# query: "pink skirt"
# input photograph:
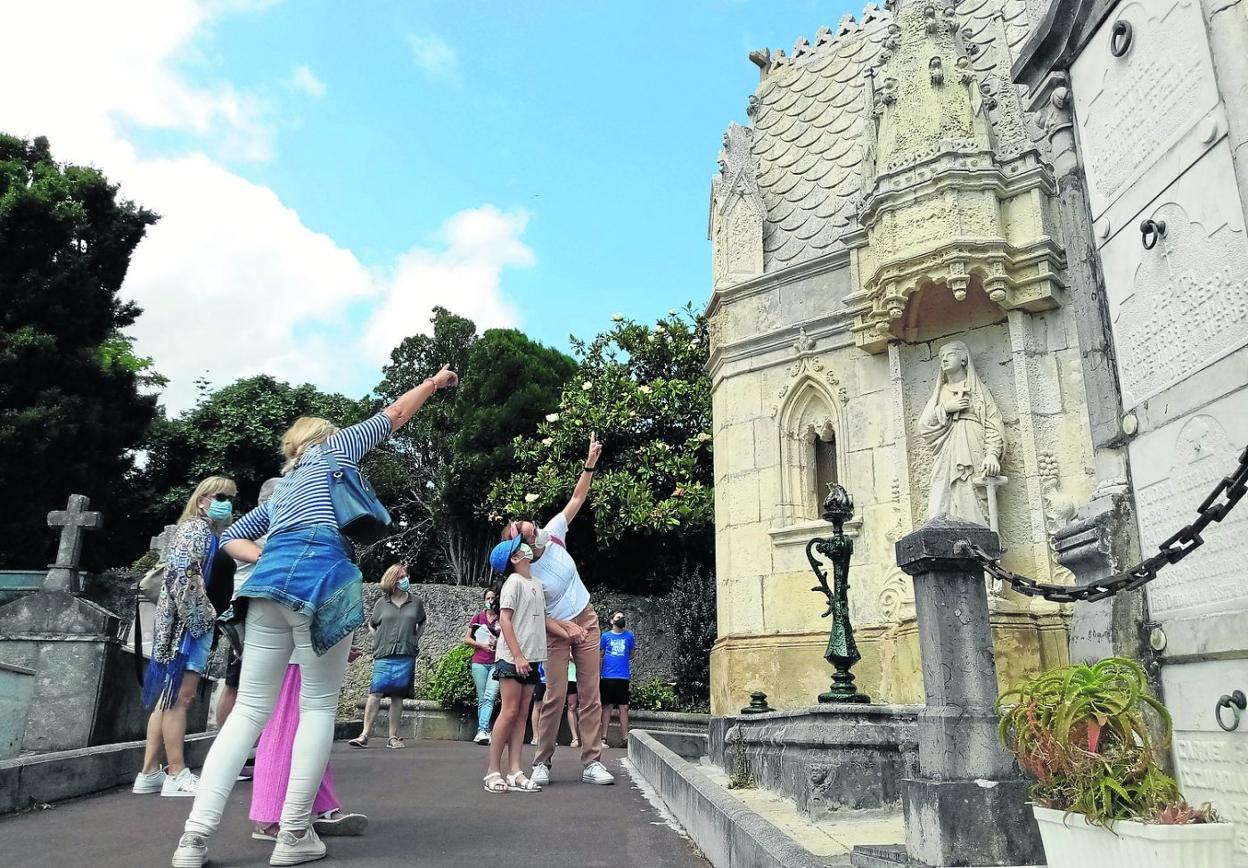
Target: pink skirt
(268, 792)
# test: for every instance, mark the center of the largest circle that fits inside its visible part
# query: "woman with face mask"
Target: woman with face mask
(482, 635)
(397, 621)
(182, 640)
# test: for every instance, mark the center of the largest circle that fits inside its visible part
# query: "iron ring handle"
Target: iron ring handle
(1236, 702)
(1120, 38)
(1150, 231)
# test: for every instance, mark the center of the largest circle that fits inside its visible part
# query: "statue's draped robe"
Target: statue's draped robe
(960, 440)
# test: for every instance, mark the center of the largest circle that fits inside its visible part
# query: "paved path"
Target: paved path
(426, 808)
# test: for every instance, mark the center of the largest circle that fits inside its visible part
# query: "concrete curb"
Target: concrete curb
(729, 834)
(55, 777)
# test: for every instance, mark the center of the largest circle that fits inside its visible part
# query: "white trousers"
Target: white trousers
(273, 633)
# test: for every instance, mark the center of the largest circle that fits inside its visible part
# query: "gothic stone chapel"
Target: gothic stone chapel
(890, 312)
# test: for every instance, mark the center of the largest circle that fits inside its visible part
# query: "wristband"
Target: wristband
(431, 381)
(589, 469)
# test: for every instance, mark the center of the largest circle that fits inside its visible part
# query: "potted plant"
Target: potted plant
(1100, 797)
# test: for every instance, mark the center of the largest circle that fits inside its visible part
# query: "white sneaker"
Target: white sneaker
(482, 737)
(596, 773)
(192, 851)
(295, 851)
(148, 784)
(540, 774)
(183, 785)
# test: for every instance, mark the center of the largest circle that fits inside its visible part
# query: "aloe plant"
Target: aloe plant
(1082, 732)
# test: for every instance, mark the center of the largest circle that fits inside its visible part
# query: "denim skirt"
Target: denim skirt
(309, 570)
(392, 676)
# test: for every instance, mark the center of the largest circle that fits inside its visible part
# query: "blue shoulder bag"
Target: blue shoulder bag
(360, 515)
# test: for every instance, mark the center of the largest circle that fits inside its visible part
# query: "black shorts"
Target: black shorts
(233, 668)
(571, 688)
(504, 669)
(539, 691)
(614, 691)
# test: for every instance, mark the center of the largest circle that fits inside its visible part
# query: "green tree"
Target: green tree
(515, 382)
(456, 446)
(70, 407)
(644, 391)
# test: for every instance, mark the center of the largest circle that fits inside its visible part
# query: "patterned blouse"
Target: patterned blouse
(183, 605)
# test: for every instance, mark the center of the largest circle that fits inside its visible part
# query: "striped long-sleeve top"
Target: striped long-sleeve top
(302, 500)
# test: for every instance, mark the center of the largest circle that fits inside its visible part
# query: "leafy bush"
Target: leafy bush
(654, 695)
(451, 682)
(692, 606)
(1082, 732)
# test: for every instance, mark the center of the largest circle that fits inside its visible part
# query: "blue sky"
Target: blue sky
(577, 138)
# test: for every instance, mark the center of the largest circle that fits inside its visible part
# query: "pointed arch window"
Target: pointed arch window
(812, 452)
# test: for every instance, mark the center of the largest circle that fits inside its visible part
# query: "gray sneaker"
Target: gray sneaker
(596, 773)
(295, 851)
(183, 785)
(540, 774)
(148, 784)
(192, 851)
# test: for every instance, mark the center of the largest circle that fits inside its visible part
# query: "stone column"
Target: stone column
(968, 804)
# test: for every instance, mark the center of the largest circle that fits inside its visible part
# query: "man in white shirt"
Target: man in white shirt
(567, 603)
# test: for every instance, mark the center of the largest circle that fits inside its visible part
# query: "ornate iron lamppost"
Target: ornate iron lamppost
(842, 652)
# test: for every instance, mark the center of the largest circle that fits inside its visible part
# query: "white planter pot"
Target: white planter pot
(1069, 842)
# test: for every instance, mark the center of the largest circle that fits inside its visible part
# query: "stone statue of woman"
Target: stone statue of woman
(963, 426)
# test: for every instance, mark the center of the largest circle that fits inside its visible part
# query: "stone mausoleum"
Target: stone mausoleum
(988, 258)
(891, 195)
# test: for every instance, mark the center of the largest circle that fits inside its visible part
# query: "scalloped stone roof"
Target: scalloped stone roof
(809, 120)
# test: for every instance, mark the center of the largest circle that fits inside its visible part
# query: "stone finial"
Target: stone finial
(758, 704)
(73, 520)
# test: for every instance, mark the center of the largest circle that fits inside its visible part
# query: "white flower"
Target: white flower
(662, 446)
(552, 417)
(530, 498)
(587, 385)
(547, 441)
(672, 312)
(658, 326)
(429, 483)
(645, 390)
(617, 317)
(703, 436)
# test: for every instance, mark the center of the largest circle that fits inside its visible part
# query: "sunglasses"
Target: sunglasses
(222, 498)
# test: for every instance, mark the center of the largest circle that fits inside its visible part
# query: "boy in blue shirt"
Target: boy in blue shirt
(617, 656)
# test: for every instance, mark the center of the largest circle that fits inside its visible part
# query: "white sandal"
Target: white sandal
(494, 783)
(518, 783)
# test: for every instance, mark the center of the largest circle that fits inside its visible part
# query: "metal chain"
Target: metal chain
(1215, 507)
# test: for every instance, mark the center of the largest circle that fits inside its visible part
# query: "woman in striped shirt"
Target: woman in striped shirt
(304, 594)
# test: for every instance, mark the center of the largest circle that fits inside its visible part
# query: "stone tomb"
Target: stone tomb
(85, 690)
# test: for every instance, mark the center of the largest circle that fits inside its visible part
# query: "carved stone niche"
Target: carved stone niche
(735, 222)
(812, 448)
(953, 194)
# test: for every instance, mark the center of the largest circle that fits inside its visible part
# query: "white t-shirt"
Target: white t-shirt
(528, 618)
(566, 594)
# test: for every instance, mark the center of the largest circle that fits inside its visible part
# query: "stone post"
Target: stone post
(968, 804)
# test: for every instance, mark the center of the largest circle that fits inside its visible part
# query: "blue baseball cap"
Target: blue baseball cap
(502, 553)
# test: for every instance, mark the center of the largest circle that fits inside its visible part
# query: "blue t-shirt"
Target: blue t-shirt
(617, 649)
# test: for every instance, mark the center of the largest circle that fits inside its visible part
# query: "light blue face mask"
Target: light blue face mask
(220, 510)
(404, 584)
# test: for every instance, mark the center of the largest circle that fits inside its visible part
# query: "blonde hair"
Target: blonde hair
(207, 488)
(307, 431)
(391, 578)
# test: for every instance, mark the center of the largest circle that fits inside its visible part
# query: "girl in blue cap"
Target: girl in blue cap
(522, 617)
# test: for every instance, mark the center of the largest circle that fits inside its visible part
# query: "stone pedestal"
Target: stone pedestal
(967, 805)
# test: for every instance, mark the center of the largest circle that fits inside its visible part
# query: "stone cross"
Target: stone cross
(73, 520)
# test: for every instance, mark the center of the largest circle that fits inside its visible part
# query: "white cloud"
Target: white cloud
(433, 54)
(305, 81)
(464, 276)
(231, 280)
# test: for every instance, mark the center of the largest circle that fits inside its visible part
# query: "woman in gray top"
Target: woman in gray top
(396, 622)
